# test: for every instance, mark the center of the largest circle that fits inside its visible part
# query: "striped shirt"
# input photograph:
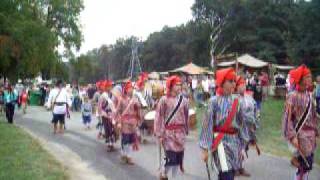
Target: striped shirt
(295, 106)
(217, 113)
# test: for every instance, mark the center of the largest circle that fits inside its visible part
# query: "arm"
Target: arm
(159, 119)
(186, 115)
(244, 122)
(50, 99)
(206, 134)
(287, 124)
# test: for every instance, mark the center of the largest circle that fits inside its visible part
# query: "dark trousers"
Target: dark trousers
(229, 175)
(318, 104)
(10, 112)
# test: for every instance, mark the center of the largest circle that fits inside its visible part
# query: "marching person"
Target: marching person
(171, 126)
(59, 101)
(141, 96)
(86, 110)
(95, 104)
(222, 128)
(248, 106)
(128, 113)
(107, 110)
(10, 100)
(300, 122)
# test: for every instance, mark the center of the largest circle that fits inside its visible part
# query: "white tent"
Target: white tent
(191, 69)
(284, 68)
(246, 60)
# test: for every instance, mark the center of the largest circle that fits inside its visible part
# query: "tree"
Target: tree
(31, 32)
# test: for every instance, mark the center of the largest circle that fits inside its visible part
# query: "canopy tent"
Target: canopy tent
(191, 69)
(245, 60)
(284, 68)
(154, 75)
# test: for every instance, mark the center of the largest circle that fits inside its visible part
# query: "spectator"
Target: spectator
(24, 100)
(264, 79)
(257, 96)
(10, 100)
(1, 100)
(86, 110)
(91, 91)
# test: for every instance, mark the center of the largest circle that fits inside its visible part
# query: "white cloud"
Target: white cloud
(104, 21)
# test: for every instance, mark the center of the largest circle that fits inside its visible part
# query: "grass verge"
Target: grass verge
(269, 134)
(22, 157)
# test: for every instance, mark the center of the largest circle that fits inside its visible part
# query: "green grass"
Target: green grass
(22, 157)
(269, 134)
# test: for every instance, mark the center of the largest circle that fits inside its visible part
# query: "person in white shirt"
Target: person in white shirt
(205, 87)
(59, 101)
(212, 86)
(194, 83)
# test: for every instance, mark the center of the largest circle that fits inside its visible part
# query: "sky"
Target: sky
(105, 21)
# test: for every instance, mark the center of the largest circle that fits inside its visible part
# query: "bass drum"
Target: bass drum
(149, 120)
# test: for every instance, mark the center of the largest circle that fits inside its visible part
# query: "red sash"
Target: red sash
(226, 124)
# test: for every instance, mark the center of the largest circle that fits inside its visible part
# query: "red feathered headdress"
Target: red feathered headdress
(171, 81)
(223, 75)
(297, 74)
(106, 84)
(127, 86)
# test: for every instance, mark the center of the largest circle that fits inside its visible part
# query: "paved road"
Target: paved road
(93, 153)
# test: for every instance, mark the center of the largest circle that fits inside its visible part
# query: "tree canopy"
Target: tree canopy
(31, 32)
(278, 31)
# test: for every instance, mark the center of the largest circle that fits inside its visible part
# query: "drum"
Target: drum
(192, 119)
(150, 116)
(157, 91)
(149, 120)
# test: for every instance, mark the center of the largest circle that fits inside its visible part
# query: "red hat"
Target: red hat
(106, 84)
(141, 80)
(297, 74)
(222, 75)
(140, 83)
(144, 76)
(98, 84)
(127, 86)
(171, 81)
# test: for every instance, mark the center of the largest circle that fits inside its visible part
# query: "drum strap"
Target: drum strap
(174, 111)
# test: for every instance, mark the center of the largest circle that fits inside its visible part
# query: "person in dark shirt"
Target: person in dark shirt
(43, 94)
(91, 91)
(257, 96)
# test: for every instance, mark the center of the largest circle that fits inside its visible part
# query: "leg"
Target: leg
(301, 175)
(25, 108)
(54, 122)
(10, 113)
(7, 112)
(61, 123)
(229, 175)
(181, 156)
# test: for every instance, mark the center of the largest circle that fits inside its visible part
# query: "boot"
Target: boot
(244, 173)
(182, 168)
(163, 177)
(129, 161)
(124, 159)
